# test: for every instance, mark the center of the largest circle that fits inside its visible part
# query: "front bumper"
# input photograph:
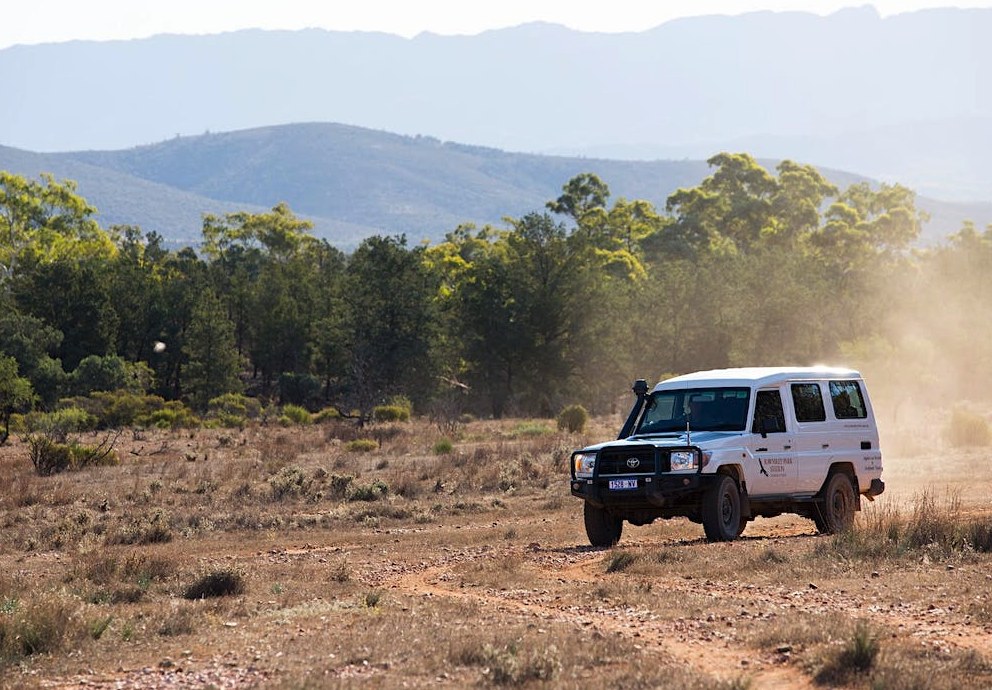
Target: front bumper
(657, 491)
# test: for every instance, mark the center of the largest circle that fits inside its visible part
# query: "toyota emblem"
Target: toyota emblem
(633, 462)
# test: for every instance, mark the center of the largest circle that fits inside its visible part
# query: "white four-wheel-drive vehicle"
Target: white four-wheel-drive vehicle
(725, 446)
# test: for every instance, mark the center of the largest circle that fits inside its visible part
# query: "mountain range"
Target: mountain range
(159, 130)
(353, 182)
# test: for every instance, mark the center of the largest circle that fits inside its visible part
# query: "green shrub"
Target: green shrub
(390, 413)
(443, 446)
(65, 420)
(369, 492)
(573, 419)
(234, 405)
(174, 415)
(531, 429)
(968, 429)
(297, 415)
(361, 445)
(326, 415)
(122, 408)
(219, 583)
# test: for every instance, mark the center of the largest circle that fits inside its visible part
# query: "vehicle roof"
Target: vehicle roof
(758, 376)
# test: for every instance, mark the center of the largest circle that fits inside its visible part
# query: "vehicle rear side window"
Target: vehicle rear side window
(847, 400)
(769, 415)
(808, 401)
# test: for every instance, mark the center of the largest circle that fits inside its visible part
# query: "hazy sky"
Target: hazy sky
(43, 21)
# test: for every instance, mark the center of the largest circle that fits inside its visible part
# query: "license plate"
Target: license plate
(623, 484)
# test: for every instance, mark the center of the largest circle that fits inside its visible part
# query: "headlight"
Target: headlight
(584, 463)
(683, 460)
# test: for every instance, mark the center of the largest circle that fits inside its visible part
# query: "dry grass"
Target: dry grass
(409, 566)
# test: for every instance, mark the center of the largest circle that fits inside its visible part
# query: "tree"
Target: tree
(727, 212)
(31, 342)
(15, 393)
(581, 195)
(391, 323)
(212, 360)
(46, 221)
(110, 373)
(864, 226)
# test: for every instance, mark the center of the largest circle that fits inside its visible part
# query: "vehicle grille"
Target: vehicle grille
(620, 461)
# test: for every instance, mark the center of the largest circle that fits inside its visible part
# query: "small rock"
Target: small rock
(875, 573)
(812, 586)
(784, 648)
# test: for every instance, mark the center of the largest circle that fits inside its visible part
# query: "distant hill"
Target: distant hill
(354, 182)
(908, 97)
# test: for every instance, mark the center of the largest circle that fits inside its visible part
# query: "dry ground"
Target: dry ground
(405, 567)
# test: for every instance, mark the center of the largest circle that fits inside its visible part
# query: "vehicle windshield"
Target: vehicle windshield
(699, 409)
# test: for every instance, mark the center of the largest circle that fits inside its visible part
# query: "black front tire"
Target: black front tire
(836, 513)
(722, 510)
(602, 528)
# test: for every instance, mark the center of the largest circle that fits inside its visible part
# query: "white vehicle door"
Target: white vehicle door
(771, 467)
(814, 438)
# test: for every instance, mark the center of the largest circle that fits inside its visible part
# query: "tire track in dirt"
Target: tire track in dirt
(708, 652)
(932, 625)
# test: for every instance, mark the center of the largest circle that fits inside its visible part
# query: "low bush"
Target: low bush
(234, 405)
(531, 429)
(573, 419)
(390, 413)
(218, 583)
(368, 492)
(174, 415)
(326, 415)
(70, 419)
(297, 415)
(118, 409)
(361, 445)
(443, 446)
(508, 665)
(50, 456)
(290, 482)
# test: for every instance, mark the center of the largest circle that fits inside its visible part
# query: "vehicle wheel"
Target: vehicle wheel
(722, 510)
(602, 528)
(742, 526)
(836, 514)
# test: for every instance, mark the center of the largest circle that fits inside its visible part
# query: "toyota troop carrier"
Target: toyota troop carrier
(723, 447)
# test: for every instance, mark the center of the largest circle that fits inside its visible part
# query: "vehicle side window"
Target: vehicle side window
(768, 409)
(847, 400)
(808, 401)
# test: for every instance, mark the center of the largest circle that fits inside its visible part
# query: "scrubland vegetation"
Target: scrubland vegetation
(287, 556)
(266, 462)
